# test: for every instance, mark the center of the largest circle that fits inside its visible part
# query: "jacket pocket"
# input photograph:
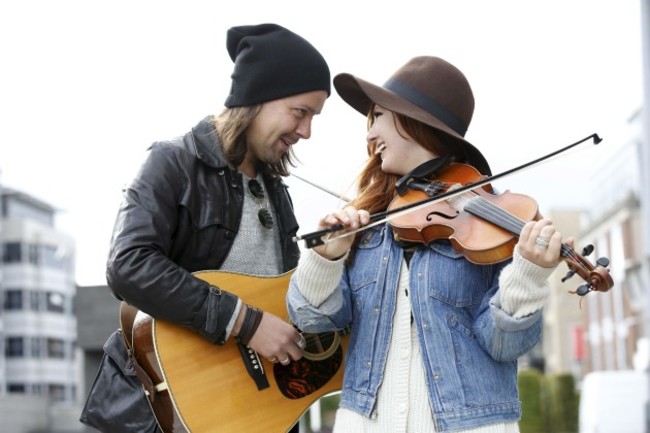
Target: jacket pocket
(366, 259)
(485, 382)
(208, 227)
(116, 401)
(453, 279)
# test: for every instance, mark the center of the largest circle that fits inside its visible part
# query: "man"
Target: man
(206, 200)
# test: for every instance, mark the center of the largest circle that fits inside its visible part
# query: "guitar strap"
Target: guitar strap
(253, 365)
(127, 317)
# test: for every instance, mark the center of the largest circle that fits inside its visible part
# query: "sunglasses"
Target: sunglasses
(263, 214)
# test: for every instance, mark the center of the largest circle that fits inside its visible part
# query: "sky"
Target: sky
(87, 86)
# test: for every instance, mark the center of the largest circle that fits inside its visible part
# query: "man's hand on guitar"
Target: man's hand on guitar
(274, 338)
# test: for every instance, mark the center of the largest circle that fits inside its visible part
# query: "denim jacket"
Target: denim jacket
(470, 346)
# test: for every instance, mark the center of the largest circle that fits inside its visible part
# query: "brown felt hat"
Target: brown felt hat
(428, 89)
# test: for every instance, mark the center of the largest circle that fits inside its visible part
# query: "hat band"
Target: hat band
(428, 104)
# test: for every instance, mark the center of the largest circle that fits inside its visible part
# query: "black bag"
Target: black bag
(117, 402)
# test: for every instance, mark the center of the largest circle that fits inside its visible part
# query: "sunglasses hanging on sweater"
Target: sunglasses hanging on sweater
(263, 214)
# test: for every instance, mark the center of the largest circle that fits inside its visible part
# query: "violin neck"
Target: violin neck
(484, 209)
(488, 211)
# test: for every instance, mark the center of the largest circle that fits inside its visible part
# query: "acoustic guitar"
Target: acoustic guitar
(195, 386)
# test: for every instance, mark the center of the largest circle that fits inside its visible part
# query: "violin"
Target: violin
(461, 206)
(482, 225)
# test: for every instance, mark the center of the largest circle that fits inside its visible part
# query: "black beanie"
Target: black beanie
(272, 62)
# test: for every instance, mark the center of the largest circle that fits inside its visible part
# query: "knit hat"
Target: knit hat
(272, 62)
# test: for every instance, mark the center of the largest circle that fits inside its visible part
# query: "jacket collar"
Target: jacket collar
(207, 146)
(207, 143)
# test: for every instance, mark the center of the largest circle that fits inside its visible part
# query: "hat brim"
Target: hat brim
(360, 95)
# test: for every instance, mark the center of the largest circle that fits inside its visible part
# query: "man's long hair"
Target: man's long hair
(231, 125)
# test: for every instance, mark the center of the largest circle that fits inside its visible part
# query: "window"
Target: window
(15, 347)
(32, 254)
(38, 389)
(16, 388)
(36, 347)
(34, 300)
(55, 302)
(12, 252)
(13, 299)
(56, 256)
(17, 207)
(56, 392)
(55, 348)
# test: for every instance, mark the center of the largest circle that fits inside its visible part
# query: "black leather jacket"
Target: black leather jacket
(181, 215)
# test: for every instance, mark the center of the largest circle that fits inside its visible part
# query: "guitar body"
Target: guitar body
(202, 387)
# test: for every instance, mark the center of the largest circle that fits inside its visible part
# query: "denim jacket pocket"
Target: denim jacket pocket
(455, 280)
(368, 254)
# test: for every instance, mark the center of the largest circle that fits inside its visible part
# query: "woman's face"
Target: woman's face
(398, 151)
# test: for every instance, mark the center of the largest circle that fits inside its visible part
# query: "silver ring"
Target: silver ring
(542, 242)
(302, 343)
(285, 361)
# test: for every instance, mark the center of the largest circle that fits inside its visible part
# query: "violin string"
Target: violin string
(489, 211)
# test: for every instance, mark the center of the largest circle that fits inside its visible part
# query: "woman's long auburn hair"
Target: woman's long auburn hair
(376, 189)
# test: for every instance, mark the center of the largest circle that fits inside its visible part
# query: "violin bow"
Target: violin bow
(322, 188)
(315, 238)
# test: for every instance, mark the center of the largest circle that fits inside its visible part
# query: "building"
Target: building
(614, 321)
(603, 331)
(39, 373)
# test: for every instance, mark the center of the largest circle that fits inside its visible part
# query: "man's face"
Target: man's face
(280, 124)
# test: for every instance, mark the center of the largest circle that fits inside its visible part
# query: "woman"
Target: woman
(434, 337)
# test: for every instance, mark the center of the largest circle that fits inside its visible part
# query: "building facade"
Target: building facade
(603, 331)
(614, 321)
(38, 325)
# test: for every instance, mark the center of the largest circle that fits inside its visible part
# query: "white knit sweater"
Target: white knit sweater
(402, 402)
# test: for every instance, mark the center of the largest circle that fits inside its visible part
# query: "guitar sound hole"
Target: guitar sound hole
(321, 346)
(306, 376)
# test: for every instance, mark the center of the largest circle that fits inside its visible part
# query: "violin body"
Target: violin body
(480, 240)
(480, 224)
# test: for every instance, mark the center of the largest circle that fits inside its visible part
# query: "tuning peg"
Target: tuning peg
(583, 290)
(588, 249)
(603, 261)
(568, 275)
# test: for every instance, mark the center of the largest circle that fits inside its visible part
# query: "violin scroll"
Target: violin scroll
(597, 278)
